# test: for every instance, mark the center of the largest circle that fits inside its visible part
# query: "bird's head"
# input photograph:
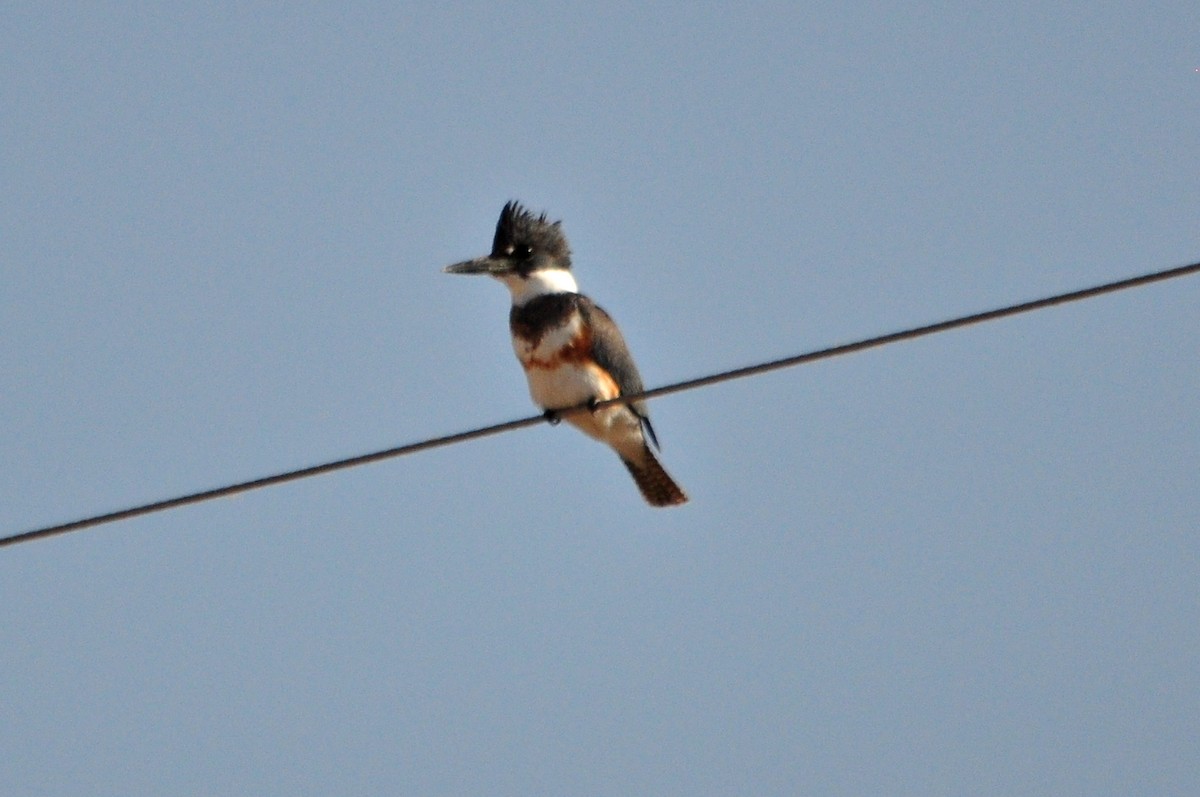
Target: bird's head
(529, 254)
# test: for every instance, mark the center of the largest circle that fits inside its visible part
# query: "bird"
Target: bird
(571, 350)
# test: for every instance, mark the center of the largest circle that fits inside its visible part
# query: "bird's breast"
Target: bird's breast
(548, 348)
(559, 366)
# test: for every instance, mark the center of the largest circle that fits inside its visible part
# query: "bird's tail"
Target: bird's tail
(657, 486)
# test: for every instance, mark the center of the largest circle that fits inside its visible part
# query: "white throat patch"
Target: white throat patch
(539, 283)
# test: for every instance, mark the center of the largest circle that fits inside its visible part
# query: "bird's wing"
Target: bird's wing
(612, 354)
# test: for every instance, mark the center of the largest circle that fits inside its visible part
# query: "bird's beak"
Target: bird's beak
(480, 265)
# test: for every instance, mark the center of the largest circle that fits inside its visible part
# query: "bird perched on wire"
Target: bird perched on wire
(571, 350)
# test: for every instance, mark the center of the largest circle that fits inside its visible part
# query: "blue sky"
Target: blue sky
(965, 564)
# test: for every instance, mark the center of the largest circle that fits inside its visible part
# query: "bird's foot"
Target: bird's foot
(552, 417)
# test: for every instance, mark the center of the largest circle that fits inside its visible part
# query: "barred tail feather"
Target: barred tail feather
(657, 486)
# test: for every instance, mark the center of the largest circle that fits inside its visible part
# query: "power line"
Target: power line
(918, 332)
(677, 387)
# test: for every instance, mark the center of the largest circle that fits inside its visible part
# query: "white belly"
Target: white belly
(568, 384)
(557, 384)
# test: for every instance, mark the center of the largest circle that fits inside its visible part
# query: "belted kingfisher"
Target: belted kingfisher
(571, 350)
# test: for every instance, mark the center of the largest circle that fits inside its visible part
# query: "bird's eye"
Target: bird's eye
(524, 251)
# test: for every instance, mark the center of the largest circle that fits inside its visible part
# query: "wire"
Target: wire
(677, 387)
(916, 332)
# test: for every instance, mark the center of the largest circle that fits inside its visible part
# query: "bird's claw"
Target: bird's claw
(554, 417)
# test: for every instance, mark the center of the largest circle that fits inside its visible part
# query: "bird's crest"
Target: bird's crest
(520, 229)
